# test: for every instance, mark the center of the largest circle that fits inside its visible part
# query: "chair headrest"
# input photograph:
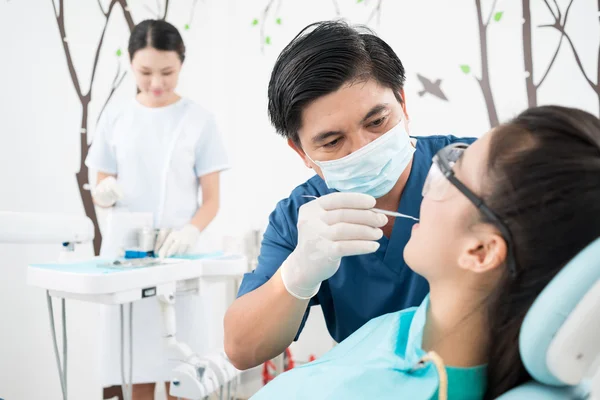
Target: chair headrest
(552, 308)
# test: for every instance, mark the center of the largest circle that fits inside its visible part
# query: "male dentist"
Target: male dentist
(337, 94)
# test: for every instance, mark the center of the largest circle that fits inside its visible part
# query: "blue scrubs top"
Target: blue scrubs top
(366, 286)
(377, 362)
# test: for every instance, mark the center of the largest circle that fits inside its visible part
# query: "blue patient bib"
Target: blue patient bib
(376, 362)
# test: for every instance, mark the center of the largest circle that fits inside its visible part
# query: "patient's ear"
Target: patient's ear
(484, 252)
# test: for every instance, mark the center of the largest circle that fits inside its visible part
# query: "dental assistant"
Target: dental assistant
(337, 95)
(152, 155)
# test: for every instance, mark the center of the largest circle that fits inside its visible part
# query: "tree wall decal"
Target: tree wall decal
(117, 80)
(267, 13)
(157, 13)
(85, 99)
(192, 13)
(375, 13)
(336, 7)
(561, 27)
(262, 22)
(560, 21)
(484, 81)
(483, 24)
(434, 88)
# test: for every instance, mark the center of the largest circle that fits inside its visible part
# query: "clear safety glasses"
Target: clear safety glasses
(441, 176)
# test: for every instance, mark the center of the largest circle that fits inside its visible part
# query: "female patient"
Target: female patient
(498, 221)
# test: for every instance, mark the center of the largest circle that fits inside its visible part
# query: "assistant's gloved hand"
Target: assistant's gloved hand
(107, 192)
(329, 228)
(179, 241)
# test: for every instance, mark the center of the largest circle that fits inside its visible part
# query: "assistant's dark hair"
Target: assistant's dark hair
(544, 182)
(323, 57)
(157, 34)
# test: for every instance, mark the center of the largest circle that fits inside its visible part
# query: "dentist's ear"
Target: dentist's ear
(301, 153)
(406, 123)
(403, 97)
(405, 117)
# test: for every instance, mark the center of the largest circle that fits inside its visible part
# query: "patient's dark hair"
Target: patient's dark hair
(321, 59)
(544, 182)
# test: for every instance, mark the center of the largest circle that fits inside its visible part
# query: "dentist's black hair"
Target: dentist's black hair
(543, 180)
(323, 57)
(157, 34)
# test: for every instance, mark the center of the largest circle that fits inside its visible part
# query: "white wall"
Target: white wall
(226, 70)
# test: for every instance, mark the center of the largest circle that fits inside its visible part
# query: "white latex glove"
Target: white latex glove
(179, 241)
(107, 192)
(329, 228)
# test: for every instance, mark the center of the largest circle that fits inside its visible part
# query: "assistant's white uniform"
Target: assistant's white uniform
(158, 154)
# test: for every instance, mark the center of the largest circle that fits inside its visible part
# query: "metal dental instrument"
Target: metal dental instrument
(379, 210)
(393, 213)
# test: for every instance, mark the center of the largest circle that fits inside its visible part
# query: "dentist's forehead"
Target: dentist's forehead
(344, 108)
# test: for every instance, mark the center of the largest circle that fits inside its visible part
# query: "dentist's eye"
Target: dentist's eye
(378, 122)
(332, 143)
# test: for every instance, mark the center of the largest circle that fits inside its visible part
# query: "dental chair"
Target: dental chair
(560, 337)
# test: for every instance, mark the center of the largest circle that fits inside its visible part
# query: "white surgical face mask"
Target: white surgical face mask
(373, 169)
